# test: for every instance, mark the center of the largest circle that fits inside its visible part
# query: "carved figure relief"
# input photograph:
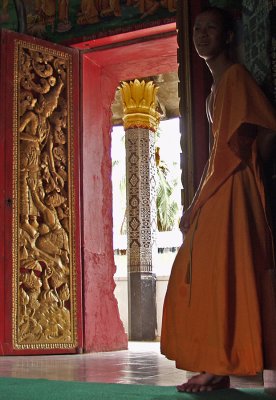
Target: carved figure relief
(4, 14)
(63, 21)
(44, 312)
(93, 10)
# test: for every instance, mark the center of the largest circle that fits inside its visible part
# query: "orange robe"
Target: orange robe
(212, 315)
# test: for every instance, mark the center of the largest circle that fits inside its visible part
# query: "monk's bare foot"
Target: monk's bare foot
(205, 382)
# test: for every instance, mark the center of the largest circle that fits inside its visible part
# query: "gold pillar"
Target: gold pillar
(141, 122)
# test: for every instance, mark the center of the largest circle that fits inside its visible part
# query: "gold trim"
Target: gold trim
(15, 164)
(139, 120)
(73, 203)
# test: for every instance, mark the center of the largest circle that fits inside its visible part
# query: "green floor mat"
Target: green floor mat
(43, 389)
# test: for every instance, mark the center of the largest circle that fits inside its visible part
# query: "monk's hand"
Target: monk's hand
(184, 224)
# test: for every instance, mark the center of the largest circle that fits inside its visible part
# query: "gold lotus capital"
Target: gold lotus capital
(139, 102)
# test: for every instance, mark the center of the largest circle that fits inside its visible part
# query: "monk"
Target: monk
(214, 319)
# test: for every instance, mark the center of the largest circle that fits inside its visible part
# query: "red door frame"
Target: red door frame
(102, 71)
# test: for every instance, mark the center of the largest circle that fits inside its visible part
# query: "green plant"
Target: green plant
(167, 207)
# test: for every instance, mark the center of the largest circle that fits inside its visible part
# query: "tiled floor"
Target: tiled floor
(142, 363)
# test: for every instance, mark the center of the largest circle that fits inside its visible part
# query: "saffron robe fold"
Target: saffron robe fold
(213, 314)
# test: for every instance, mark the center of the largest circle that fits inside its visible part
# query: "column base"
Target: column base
(142, 306)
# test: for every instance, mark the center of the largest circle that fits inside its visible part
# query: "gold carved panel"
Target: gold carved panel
(44, 264)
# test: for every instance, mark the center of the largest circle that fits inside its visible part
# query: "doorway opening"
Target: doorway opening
(103, 70)
(169, 209)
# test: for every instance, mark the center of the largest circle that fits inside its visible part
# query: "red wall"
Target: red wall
(102, 72)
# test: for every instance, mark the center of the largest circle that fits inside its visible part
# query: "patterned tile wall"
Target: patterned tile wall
(257, 42)
(256, 23)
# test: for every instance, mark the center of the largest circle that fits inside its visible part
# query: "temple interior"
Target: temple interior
(79, 301)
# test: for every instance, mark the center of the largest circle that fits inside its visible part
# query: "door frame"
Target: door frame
(103, 68)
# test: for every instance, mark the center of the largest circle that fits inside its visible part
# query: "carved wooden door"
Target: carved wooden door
(40, 274)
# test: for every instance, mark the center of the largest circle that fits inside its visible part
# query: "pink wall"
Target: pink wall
(102, 72)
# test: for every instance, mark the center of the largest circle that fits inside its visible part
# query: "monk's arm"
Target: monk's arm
(266, 140)
(185, 219)
(266, 143)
